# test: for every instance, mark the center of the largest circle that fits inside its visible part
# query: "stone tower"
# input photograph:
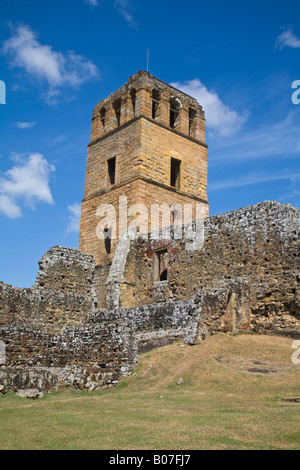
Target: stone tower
(147, 147)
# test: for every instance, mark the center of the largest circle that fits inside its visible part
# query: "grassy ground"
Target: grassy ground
(227, 392)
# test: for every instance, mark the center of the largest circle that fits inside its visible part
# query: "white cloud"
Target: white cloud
(27, 182)
(277, 140)
(60, 138)
(41, 61)
(92, 3)
(25, 125)
(124, 8)
(8, 207)
(220, 118)
(254, 178)
(288, 39)
(74, 217)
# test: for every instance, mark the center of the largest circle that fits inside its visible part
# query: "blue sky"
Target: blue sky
(59, 58)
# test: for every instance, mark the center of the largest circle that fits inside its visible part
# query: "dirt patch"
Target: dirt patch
(262, 371)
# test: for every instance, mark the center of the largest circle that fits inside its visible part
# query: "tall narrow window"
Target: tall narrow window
(192, 114)
(107, 240)
(175, 214)
(175, 173)
(155, 103)
(133, 98)
(174, 112)
(117, 108)
(102, 116)
(112, 170)
(161, 266)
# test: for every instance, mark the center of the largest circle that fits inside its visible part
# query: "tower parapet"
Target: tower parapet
(147, 96)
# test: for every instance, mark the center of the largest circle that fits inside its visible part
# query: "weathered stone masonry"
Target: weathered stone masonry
(61, 333)
(138, 134)
(259, 244)
(54, 334)
(91, 311)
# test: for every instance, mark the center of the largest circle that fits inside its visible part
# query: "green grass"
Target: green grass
(199, 397)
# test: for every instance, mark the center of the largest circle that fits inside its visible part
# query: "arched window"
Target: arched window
(107, 240)
(102, 116)
(192, 115)
(175, 173)
(155, 103)
(117, 108)
(111, 166)
(161, 266)
(133, 99)
(175, 106)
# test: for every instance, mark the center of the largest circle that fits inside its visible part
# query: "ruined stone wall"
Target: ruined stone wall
(53, 333)
(259, 244)
(82, 326)
(100, 283)
(222, 308)
(97, 352)
(66, 270)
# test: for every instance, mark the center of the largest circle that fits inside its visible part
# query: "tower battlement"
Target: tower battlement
(147, 96)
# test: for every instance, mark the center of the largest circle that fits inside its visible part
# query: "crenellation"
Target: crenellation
(145, 89)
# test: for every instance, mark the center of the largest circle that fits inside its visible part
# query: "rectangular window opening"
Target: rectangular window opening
(161, 266)
(173, 118)
(192, 115)
(102, 117)
(112, 170)
(133, 100)
(118, 116)
(175, 173)
(175, 107)
(107, 240)
(155, 105)
(117, 108)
